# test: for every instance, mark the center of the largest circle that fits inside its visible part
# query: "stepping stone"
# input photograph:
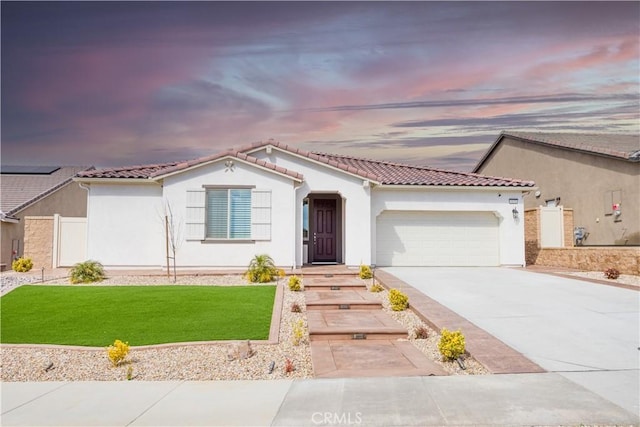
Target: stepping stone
(380, 358)
(332, 284)
(353, 325)
(342, 300)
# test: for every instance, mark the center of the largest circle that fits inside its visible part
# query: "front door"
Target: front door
(323, 236)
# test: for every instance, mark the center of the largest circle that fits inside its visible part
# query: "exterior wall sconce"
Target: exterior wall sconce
(515, 213)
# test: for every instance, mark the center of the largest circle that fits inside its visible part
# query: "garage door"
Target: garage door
(408, 238)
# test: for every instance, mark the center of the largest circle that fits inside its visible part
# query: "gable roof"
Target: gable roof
(162, 170)
(21, 190)
(379, 172)
(618, 146)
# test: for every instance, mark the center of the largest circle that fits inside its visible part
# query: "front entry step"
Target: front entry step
(332, 284)
(353, 325)
(342, 300)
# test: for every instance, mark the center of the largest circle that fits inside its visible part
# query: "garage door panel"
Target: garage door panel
(408, 238)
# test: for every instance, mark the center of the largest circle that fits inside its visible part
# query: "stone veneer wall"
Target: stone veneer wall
(38, 240)
(625, 259)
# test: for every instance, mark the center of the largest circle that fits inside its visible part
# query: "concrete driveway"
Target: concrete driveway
(587, 332)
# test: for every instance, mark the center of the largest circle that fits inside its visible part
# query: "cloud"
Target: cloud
(540, 99)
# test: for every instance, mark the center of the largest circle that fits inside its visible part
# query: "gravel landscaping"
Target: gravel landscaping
(200, 361)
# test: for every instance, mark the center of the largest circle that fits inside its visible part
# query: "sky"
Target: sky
(427, 83)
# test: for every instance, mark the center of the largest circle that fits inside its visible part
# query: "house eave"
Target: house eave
(488, 188)
(309, 159)
(139, 181)
(228, 157)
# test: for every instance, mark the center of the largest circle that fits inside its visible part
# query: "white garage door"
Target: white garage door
(422, 238)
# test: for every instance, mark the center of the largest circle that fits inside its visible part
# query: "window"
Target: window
(228, 213)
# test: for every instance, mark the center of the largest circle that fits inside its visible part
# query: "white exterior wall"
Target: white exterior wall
(511, 231)
(198, 254)
(124, 225)
(319, 178)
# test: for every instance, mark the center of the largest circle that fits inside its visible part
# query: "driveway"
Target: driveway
(588, 333)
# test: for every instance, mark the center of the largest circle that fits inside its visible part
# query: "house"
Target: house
(595, 175)
(302, 207)
(35, 191)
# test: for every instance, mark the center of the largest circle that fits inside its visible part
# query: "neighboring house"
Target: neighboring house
(596, 175)
(35, 191)
(301, 207)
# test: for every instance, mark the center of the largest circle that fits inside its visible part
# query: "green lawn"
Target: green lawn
(141, 315)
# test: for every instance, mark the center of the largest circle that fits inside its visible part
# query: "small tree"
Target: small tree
(173, 236)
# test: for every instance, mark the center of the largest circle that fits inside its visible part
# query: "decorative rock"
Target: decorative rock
(241, 351)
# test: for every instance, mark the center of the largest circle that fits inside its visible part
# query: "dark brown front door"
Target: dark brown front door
(323, 236)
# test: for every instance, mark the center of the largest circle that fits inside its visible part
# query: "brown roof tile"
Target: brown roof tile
(378, 171)
(390, 173)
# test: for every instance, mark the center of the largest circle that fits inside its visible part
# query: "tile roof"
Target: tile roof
(22, 190)
(158, 171)
(380, 172)
(620, 146)
(401, 174)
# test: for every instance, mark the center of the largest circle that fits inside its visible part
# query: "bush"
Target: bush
(22, 265)
(376, 288)
(398, 300)
(295, 308)
(295, 283)
(298, 332)
(118, 352)
(365, 272)
(609, 273)
(262, 269)
(87, 272)
(451, 344)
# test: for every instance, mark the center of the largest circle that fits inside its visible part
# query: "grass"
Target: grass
(141, 315)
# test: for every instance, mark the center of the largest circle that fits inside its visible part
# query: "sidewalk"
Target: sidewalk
(495, 400)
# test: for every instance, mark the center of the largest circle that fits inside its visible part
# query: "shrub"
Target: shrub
(421, 333)
(298, 332)
(451, 344)
(262, 269)
(295, 283)
(288, 366)
(22, 265)
(87, 272)
(118, 352)
(376, 288)
(398, 300)
(295, 308)
(365, 272)
(609, 273)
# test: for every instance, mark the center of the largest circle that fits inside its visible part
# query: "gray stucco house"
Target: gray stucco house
(596, 175)
(35, 191)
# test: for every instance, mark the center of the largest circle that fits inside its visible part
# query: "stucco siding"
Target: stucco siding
(355, 195)
(581, 181)
(125, 226)
(195, 253)
(511, 231)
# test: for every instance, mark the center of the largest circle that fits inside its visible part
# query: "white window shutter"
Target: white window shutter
(261, 214)
(195, 222)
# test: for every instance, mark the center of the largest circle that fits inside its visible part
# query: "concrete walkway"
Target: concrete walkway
(587, 332)
(495, 400)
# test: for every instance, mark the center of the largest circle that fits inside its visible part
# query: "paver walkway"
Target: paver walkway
(351, 336)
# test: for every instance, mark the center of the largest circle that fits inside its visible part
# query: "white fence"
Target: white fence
(69, 241)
